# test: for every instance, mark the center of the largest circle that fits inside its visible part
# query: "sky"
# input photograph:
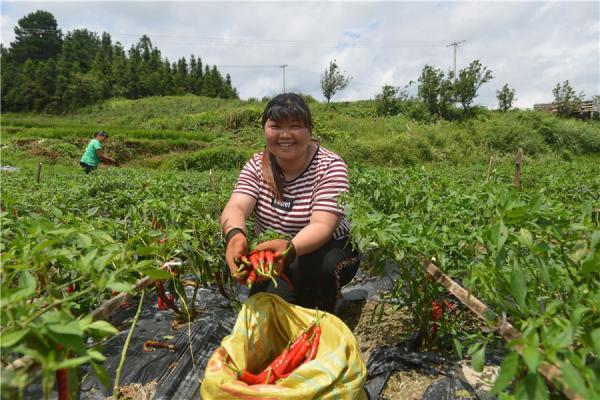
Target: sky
(529, 45)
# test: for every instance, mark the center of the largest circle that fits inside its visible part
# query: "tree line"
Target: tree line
(438, 93)
(44, 70)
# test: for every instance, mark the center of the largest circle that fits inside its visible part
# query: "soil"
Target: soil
(394, 326)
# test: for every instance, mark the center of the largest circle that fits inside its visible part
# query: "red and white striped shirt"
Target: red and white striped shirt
(316, 189)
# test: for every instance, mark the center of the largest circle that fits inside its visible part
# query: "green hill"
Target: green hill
(170, 131)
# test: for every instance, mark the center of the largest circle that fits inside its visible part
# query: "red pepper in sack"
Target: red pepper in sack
(314, 347)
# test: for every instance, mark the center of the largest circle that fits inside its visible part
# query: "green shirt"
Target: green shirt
(90, 157)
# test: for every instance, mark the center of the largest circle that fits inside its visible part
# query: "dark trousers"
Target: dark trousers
(316, 277)
(87, 167)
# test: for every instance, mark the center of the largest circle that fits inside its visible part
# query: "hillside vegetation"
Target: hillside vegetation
(167, 131)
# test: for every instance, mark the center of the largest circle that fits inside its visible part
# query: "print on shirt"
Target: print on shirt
(286, 204)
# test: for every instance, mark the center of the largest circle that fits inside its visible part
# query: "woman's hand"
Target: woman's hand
(275, 245)
(237, 247)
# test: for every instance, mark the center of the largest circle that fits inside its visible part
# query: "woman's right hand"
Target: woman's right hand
(237, 247)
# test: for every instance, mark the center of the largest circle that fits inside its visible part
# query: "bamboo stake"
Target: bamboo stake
(505, 329)
(489, 171)
(39, 172)
(518, 168)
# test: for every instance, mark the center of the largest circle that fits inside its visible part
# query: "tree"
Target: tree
(387, 102)
(37, 37)
(506, 97)
(333, 81)
(567, 102)
(436, 90)
(80, 49)
(469, 81)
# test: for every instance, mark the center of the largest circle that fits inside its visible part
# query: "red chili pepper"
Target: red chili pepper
(246, 376)
(314, 347)
(245, 260)
(62, 383)
(163, 240)
(437, 312)
(62, 380)
(254, 260)
(261, 261)
(251, 279)
(299, 355)
(71, 288)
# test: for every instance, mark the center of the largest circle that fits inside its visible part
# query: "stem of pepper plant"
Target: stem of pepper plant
(127, 341)
(58, 303)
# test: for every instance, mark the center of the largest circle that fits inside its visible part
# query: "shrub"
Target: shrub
(211, 158)
(240, 118)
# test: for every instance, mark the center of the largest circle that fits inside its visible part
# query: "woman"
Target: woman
(293, 188)
(93, 153)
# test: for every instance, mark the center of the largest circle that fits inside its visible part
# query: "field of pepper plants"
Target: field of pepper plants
(531, 253)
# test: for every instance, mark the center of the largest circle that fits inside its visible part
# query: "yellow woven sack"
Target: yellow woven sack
(263, 328)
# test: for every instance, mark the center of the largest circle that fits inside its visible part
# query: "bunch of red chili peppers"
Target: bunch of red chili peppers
(301, 351)
(259, 263)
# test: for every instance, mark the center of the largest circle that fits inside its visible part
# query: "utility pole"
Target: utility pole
(455, 45)
(283, 69)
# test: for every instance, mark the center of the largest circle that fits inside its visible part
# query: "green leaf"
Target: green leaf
(574, 380)
(532, 388)
(72, 362)
(499, 235)
(478, 359)
(84, 240)
(9, 339)
(595, 240)
(27, 286)
(96, 355)
(71, 328)
(158, 274)
(531, 356)
(120, 286)
(565, 338)
(518, 286)
(596, 340)
(74, 342)
(147, 251)
(103, 328)
(101, 373)
(525, 238)
(592, 264)
(508, 370)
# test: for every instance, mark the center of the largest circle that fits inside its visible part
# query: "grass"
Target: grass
(161, 127)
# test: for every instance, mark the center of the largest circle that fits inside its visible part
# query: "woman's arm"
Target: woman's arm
(318, 232)
(238, 208)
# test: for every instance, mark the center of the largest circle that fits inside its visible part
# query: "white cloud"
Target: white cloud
(529, 45)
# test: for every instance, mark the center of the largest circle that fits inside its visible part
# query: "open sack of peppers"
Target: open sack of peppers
(281, 351)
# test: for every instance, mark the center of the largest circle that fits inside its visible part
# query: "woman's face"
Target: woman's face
(287, 140)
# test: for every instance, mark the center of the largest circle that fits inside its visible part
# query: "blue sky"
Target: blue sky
(529, 45)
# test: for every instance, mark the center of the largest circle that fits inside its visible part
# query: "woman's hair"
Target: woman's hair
(283, 107)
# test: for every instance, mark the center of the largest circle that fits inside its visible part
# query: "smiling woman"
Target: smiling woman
(293, 188)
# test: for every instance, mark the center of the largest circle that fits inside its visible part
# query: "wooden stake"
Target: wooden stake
(39, 172)
(489, 173)
(505, 329)
(518, 168)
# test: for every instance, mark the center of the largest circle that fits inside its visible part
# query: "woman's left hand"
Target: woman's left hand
(275, 245)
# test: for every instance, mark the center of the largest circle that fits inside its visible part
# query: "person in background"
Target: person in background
(293, 187)
(93, 154)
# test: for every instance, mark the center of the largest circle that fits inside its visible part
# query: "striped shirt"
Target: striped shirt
(315, 189)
